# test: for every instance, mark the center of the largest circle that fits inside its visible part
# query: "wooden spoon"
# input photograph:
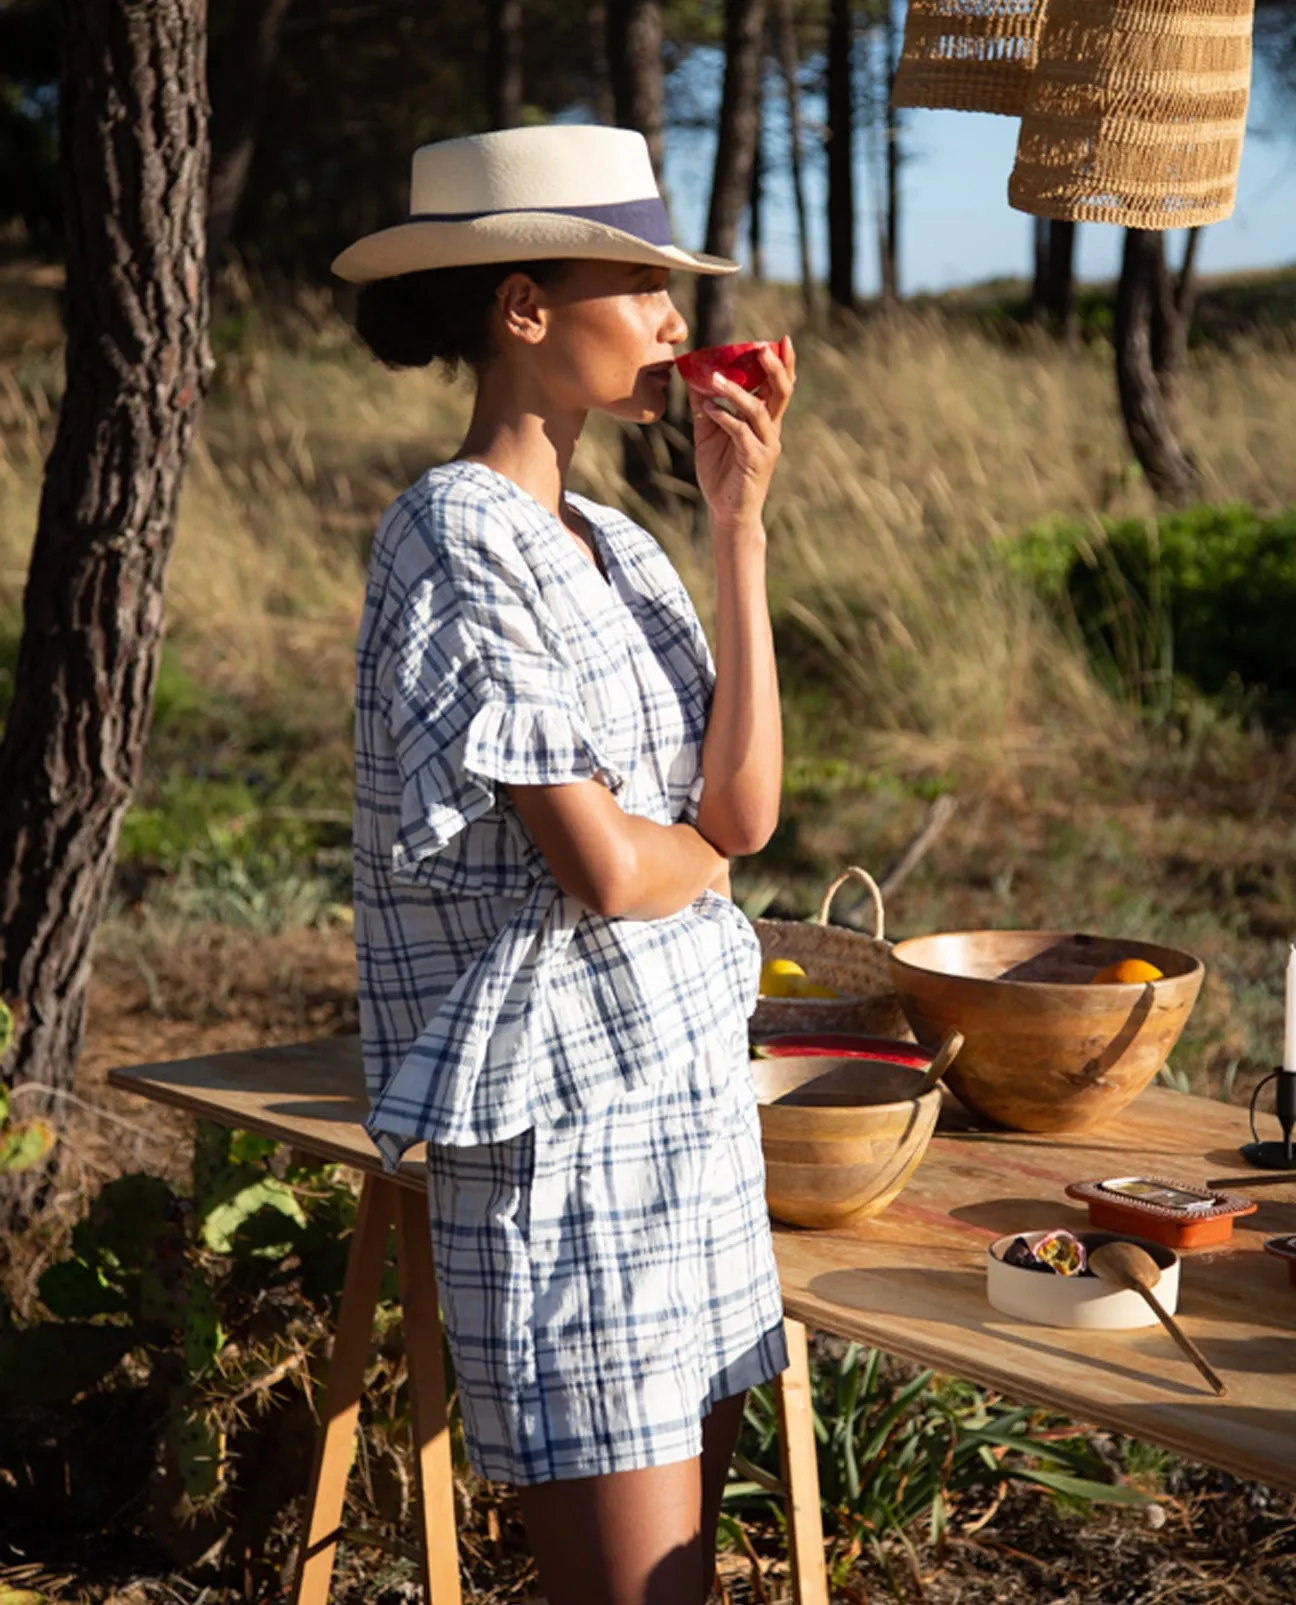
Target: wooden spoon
(944, 1056)
(1130, 1266)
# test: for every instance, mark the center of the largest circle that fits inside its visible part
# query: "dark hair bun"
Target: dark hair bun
(440, 315)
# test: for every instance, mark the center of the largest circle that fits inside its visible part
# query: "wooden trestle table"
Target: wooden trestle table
(911, 1282)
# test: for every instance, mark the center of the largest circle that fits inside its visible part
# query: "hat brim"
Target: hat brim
(509, 237)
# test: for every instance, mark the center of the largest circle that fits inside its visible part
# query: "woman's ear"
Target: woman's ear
(521, 310)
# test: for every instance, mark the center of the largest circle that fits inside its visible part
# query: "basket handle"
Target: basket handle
(854, 872)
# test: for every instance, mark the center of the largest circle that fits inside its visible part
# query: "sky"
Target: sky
(956, 224)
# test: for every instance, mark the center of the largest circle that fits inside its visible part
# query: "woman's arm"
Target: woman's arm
(742, 754)
(618, 864)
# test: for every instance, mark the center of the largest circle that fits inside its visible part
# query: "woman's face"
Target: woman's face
(599, 337)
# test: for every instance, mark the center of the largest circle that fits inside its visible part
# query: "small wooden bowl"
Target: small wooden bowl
(841, 1135)
(1079, 1301)
(1045, 1048)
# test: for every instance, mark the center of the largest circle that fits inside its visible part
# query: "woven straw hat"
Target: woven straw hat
(1136, 112)
(968, 55)
(528, 194)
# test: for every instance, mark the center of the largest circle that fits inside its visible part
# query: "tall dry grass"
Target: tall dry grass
(912, 445)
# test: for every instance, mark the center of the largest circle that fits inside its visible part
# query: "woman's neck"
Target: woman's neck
(533, 450)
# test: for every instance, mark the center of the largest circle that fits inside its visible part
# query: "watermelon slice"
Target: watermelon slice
(739, 363)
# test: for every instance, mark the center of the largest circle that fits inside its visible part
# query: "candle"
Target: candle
(1289, 1032)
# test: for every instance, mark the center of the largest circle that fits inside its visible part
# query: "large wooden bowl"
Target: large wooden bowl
(1045, 1049)
(840, 1136)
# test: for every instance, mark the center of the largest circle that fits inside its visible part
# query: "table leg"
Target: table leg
(439, 1544)
(341, 1408)
(801, 1472)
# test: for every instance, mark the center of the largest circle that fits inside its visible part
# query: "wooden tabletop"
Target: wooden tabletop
(913, 1281)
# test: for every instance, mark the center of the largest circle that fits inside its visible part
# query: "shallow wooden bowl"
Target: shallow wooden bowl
(841, 1136)
(1045, 1049)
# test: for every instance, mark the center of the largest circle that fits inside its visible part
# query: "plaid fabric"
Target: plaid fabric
(491, 651)
(605, 1281)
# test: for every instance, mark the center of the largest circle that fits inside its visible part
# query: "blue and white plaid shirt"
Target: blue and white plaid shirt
(492, 652)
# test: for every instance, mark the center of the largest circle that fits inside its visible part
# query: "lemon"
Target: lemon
(784, 978)
(1127, 972)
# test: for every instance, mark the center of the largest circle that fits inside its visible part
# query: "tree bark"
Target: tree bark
(841, 151)
(238, 70)
(1053, 294)
(634, 55)
(891, 125)
(134, 149)
(1171, 321)
(1149, 422)
(656, 456)
(735, 149)
(790, 66)
(756, 209)
(504, 63)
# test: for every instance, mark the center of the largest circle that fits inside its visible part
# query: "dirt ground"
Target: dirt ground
(159, 995)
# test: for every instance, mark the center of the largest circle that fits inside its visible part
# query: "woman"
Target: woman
(551, 776)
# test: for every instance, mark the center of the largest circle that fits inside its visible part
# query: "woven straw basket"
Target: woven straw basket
(968, 55)
(1136, 112)
(852, 963)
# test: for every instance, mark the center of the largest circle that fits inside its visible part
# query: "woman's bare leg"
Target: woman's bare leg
(629, 1538)
(719, 1435)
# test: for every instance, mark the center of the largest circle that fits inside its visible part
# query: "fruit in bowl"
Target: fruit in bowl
(784, 978)
(1046, 1048)
(739, 363)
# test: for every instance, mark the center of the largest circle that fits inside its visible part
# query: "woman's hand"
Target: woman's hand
(735, 456)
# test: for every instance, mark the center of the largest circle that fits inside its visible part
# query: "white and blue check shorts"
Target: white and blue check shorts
(604, 1282)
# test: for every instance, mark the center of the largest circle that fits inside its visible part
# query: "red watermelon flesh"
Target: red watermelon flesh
(739, 363)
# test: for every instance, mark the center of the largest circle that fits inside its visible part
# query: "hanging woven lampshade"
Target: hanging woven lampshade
(968, 55)
(1136, 112)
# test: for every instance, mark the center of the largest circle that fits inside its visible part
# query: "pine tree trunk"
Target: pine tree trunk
(735, 150)
(238, 69)
(841, 152)
(634, 55)
(656, 456)
(133, 106)
(504, 63)
(756, 210)
(789, 66)
(1149, 422)
(891, 122)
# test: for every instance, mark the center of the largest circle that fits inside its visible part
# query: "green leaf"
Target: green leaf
(125, 1221)
(1111, 1493)
(222, 1223)
(204, 1337)
(74, 1290)
(250, 1148)
(25, 1145)
(56, 1360)
(6, 1032)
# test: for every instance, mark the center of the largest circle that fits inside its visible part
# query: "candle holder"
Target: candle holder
(1274, 1155)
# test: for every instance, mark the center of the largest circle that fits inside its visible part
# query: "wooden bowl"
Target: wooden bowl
(841, 1135)
(1045, 1049)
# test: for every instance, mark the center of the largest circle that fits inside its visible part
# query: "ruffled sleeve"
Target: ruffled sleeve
(481, 693)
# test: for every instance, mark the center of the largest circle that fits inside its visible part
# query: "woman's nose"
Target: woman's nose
(675, 329)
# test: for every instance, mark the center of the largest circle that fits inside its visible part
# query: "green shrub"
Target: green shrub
(1204, 596)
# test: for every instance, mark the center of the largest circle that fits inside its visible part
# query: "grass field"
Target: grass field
(916, 663)
(912, 661)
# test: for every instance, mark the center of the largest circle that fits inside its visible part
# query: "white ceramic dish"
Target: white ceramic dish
(1081, 1301)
